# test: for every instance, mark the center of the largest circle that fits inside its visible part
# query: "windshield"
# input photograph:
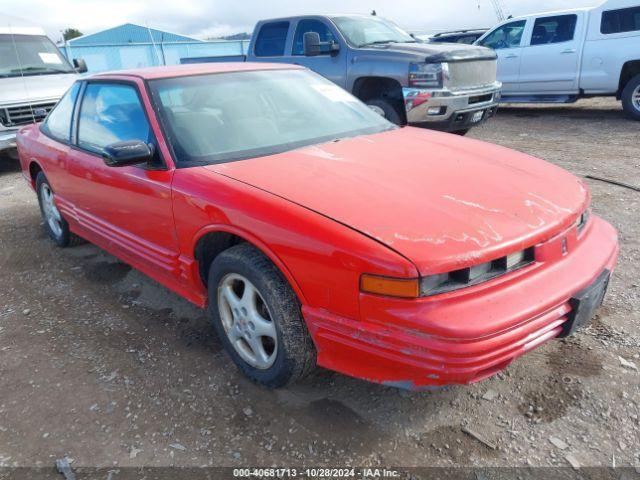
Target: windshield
(218, 118)
(363, 31)
(30, 55)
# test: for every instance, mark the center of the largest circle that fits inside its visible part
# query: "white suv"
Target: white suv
(558, 57)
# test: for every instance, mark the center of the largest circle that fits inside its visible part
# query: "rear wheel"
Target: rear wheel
(258, 318)
(54, 224)
(631, 98)
(386, 108)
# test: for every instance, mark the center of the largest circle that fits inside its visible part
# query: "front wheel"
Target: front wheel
(258, 319)
(631, 98)
(386, 108)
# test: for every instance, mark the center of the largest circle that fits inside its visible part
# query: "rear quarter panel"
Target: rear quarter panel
(605, 55)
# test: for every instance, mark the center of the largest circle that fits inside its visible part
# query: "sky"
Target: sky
(213, 18)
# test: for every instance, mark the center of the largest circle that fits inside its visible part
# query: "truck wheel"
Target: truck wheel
(386, 109)
(54, 224)
(631, 98)
(257, 316)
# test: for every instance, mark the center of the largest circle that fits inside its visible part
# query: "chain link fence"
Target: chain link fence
(101, 58)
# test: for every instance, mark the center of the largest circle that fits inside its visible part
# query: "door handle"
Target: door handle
(511, 55)
(569, 50)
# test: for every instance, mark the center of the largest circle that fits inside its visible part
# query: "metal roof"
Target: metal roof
(130, 33)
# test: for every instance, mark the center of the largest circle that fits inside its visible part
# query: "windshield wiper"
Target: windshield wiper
(39, 69)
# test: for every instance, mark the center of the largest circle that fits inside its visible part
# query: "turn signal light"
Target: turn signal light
(391, 287)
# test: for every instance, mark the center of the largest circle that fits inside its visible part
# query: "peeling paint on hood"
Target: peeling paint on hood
(439, 200)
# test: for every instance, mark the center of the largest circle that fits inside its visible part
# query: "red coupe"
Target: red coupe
(316, 232)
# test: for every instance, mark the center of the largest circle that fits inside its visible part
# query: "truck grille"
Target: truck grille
(473, 74)
(24, 114)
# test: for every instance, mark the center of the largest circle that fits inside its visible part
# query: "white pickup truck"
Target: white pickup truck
(559, 57)
(33, 77)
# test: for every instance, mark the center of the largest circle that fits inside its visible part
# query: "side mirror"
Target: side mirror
(311, 44)
(132, 152)
(80, 65)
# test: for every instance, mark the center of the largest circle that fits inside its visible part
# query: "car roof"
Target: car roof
(170, 71)
(322, 15)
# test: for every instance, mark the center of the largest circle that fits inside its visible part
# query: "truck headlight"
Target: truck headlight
(426, 75)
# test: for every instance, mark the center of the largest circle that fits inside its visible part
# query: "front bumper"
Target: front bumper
(465, 336)
(450, 110)
(8, 139)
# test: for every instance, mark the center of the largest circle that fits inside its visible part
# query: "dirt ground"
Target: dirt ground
(101, 364)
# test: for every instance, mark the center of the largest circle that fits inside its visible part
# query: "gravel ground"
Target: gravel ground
(101, 364)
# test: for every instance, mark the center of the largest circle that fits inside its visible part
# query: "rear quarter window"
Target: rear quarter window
(271, 39)
(620, 21)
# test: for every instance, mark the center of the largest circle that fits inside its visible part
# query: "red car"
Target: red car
(315, 231)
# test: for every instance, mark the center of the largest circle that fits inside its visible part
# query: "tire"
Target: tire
(285, 353)
(382, 105)
(631, 98)
(54, 224)
(462, 132)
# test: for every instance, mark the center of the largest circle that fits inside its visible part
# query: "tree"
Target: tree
(70, 33)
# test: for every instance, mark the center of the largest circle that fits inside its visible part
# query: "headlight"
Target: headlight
(426, 75)
(447, 282)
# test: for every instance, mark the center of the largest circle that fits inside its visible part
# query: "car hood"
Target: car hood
(434, 53)
(34, 88)
(441, 201)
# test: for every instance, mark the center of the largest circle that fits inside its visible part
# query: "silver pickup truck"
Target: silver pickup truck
(449, 87)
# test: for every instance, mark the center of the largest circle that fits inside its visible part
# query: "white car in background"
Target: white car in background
(559, 57)
(33, 77)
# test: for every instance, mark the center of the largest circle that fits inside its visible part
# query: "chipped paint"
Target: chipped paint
(471, 204)
(482, 239)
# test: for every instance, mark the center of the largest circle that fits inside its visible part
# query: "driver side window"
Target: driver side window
(111, 113)
(305, 26)
(506, 36)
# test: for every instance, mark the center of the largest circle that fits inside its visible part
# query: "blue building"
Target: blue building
(135, 46)
(129, 33)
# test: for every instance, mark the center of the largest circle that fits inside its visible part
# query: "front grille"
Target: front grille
(25, 114)
(472, 74)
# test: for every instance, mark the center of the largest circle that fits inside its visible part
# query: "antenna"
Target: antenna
(24, 82)
(499, 9)
(155, 48)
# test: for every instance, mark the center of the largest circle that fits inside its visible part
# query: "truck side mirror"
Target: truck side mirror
(80, 65)
(311, 44)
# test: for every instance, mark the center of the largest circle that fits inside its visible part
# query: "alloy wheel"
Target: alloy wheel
(635, 98)
(247, 321)
(50, 211)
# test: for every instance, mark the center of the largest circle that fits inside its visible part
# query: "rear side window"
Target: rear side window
(58, 123)
(558, 29)
(271, 39)
(111, 113)
(305, 26)
(620, 21)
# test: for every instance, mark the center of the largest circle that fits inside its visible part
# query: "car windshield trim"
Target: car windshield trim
(166, 118)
